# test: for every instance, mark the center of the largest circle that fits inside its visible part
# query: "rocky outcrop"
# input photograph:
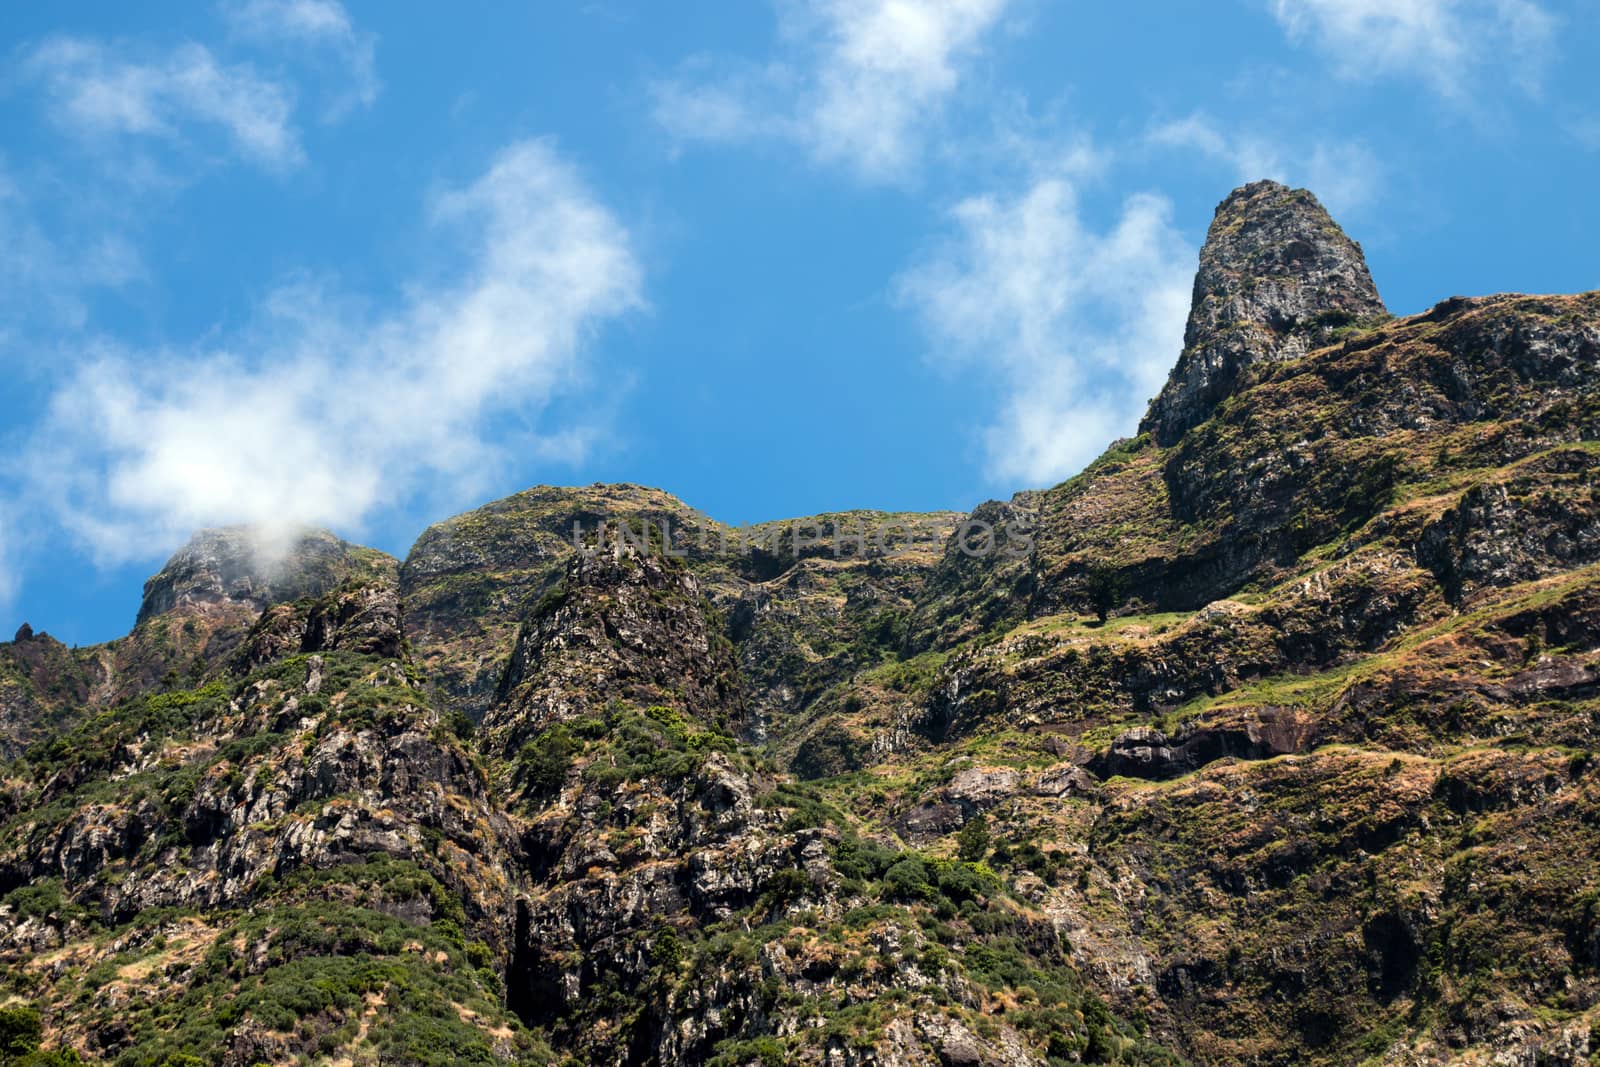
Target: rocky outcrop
(468, 582)
(1277, 278)
(622, 625)
(253, 568)
(43, 684)
(807, 601)
(1543, 519)
(1251, 734)
(361, 617)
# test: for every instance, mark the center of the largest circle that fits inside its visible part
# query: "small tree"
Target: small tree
(20, 1032)
(547, 759)
(1105, 590)
(972, 843)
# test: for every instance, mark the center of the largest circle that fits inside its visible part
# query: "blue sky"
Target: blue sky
(366, 266)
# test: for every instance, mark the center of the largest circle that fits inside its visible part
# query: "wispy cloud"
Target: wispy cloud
(1345, 175)
(8, 575)
(1446, 43)
(1078, 325)
(1586, 132)
(325, 413)
(321, 25)
(43, 275)
(99, 90)
(860, 83)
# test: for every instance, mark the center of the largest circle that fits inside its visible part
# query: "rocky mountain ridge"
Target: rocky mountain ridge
(1269, 738)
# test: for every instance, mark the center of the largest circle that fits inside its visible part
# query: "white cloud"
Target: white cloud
(862, 83)
(1078, 327)
(1345, 175)
(98, 91)
(325, 414)
(1444, 42)
(322, 25)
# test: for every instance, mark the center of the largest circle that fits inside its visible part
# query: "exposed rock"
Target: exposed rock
(977, 788)
(1277, 278)
(624, 625)
(928, 821)
(242, 565)
(1065, 780)
(362, 617)
(1320, 787)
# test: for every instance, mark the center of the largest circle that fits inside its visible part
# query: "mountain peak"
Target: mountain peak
(256, 567)
(1277, 277)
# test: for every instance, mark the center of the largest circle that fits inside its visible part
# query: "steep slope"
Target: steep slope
(1348, 682)
(807, 602)
(686, 904)
(297, 858)
(468, 581)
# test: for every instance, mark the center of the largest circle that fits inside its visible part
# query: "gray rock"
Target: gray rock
(235, 564)
(1277, 278)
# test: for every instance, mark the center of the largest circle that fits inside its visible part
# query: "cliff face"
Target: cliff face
(1277, 278)
(1269, 738)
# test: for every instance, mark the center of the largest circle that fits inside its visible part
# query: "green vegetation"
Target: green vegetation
(1104, 588)
(972, 843)
(20, 1032)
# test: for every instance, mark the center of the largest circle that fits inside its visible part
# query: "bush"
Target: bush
(20, 1032)
(786, 886)
(39, 899)
(960, 882)
(860, 860)
(972, 843)
(546, 760)
(908, 880)
(1104, 589)
(668, 951)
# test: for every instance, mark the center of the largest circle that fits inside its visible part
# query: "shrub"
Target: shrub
(20, 1031)
(668, 951)
(1104, 587)
(959, 882)
(546, 760)
(908, 880)
(972, 843)
(860, 860)
(39, 899)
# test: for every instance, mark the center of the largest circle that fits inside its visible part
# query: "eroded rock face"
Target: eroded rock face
(1143, 752)
(1277, 278)
(623, 625)
(360, 617)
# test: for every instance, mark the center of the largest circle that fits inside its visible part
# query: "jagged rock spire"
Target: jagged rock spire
(1277, 277)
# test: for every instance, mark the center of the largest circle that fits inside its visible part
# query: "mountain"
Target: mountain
(1268, 739)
